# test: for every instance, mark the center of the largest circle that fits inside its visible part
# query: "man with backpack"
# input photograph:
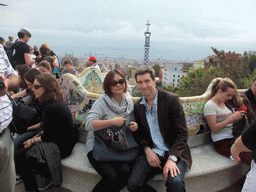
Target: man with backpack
(20, 50)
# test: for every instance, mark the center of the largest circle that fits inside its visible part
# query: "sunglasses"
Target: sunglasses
(37, 86)
(114, 83)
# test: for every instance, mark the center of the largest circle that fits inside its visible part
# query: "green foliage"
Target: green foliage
(157, 68)
(252, 62)
(170, 88)
(196, 82)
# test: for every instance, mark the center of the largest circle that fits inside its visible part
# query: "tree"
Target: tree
(252, 62)
(230, 65)
(157, 68)
(196, 82)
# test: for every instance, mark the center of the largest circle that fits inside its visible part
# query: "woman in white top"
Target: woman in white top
(219, 118)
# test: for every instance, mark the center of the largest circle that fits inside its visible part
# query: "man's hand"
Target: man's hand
(133, 126)
(170, 166)
(152, 158)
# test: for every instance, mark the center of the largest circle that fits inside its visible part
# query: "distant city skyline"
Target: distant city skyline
(180, 30)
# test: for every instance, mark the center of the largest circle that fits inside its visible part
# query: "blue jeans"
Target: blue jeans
(143, 172)
(18, 141)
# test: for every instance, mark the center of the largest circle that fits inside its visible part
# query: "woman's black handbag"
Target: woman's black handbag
(23, 116)
(115, 144)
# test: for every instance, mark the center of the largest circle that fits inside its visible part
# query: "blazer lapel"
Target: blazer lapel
(161, 110)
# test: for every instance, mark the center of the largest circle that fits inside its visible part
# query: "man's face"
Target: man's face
(253, 88)
(69, 67)
(91, 63)
(146, 85)
(26, 38)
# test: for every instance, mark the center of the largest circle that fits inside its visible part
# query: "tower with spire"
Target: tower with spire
(147, 36)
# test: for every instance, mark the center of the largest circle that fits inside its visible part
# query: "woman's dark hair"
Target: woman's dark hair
(22, 70)
(31, 75)
(45, 64)
(52, 88)
(108, 78)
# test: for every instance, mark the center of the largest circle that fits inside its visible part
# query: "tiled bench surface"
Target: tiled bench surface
(205, 160)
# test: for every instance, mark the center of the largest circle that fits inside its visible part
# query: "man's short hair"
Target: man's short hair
(23, 32)
(2, 40)
(145, 70)
(68, 61)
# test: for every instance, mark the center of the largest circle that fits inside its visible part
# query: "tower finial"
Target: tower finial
(147, 36)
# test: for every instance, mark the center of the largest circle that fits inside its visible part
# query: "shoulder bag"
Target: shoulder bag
(23, 116)
(115, 144)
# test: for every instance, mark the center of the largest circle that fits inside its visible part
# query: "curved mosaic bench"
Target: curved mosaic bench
(210, 171)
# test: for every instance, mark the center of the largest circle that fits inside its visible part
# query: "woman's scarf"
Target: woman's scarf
(122, 110)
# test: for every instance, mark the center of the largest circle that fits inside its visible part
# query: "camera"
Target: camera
(2, 85)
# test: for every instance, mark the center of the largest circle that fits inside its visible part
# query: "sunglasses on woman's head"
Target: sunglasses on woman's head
(37, 86)
(114, 83)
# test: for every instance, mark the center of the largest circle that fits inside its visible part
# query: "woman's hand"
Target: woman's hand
(133, 126)
(27, 143)
(118, 121)
(237, 115)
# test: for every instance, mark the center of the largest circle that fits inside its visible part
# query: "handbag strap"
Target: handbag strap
(8, 95)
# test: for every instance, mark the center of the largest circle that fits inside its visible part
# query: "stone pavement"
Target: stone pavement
(237, 187)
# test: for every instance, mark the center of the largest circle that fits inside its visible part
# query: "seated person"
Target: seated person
(92, 63)
(69, 68)
(113, 108)
(56, 129)
(250, 94)
(220, 118)
(45, 67)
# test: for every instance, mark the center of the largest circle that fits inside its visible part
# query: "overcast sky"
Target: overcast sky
(180, 29)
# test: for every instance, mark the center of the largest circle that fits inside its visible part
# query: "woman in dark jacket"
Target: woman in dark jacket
(56, 127)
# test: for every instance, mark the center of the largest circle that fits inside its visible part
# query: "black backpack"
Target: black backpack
(12, 53)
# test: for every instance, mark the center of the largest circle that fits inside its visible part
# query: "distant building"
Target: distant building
(251, 53)
(172, 75)
(198, 64)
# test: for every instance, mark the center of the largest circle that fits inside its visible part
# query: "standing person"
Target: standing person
(9, 43)
(92, 63)
(247, 143)
(162, 135)
(251, 94)
(11, 81)
(56, 129)
(21, 50)
(45, 52)
(113, 108)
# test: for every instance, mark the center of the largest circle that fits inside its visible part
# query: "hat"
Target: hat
(25, 32)
(92, 58)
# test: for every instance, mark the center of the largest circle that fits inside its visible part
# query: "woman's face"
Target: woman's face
(226, 95)
(38, 89)
(117, 85)
(29, 84)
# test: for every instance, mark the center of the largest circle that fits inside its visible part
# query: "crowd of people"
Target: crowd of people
(31, 74)
(156, 121)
